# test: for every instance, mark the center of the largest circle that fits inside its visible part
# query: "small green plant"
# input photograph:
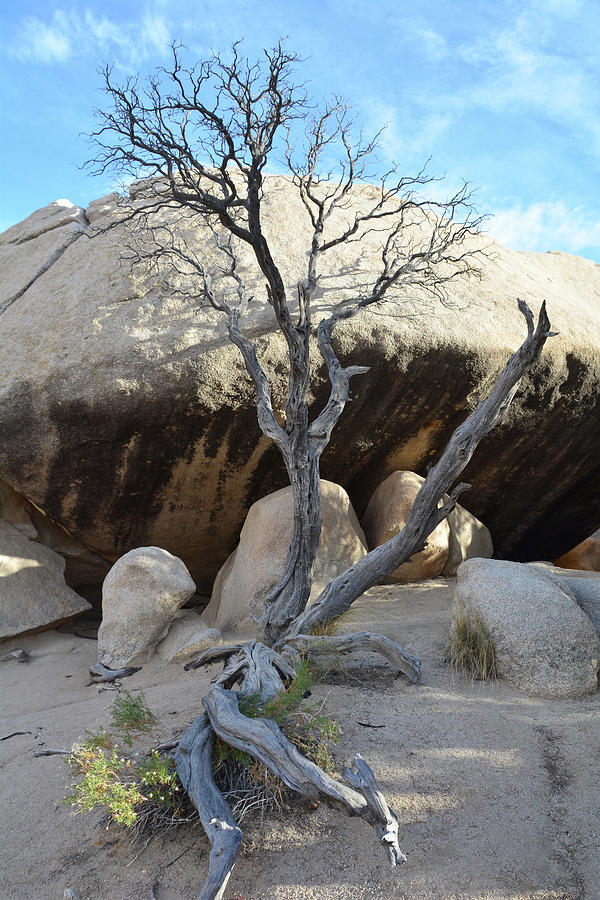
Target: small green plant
(158, 779)
(144, 795)
(131, 715)
(305, 726)
(95, 739)
(470, 648)
(108, 780)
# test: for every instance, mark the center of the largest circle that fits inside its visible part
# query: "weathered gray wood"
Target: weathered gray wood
(101, 673)
(51, 752)
(377, 812)
(425, 514)
(259, 670)
(316, 645)
(193, 760)
(213, 654)
(19, 655)
(263, 739)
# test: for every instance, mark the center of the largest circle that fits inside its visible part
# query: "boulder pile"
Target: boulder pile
(459, 537)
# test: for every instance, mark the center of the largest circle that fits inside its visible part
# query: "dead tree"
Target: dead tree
(203, 137)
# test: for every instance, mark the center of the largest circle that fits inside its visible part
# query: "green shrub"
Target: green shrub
(107, 779)
(130, 716)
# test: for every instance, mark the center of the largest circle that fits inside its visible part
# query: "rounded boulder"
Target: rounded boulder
(140, 598)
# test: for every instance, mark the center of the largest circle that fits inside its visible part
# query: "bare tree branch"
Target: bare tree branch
(339, 595)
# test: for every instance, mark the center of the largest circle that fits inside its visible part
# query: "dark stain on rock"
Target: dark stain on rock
(536, 478)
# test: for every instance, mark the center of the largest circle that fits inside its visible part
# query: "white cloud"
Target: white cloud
(72, 34)
(536, 66)
(546, 226)
(40, 42)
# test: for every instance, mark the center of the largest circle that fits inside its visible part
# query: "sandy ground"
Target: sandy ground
(498, 793)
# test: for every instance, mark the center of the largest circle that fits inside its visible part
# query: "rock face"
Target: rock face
(138, 417)
(83, 567)
(33, 593)
(545, 645)
(461, 536)
(140, 598)
(585, 555)
(584, 586)
(256, 565)
(188, 636)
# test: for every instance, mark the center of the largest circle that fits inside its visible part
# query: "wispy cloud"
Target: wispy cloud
(544, 63)
(546, 225)
(72, 34)
(41, 42)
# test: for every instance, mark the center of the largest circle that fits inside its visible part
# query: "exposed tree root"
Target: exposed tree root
(194, 767)
(323, 646)
(263, 672)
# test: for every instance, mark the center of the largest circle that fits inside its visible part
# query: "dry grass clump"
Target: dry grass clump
(470, 649)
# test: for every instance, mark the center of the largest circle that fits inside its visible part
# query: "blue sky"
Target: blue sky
(503, 94)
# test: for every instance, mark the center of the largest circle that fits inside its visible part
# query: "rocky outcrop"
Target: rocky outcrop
(33, 593)
(30, 248)
(461, 536)
(82, 566)
(545, 644)
(132, 423)
(585, 555)
(140, 598)
(256, 565)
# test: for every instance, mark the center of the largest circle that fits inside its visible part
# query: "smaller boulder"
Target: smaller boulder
(387, 513)
(140, 598)
(468, 538)
(545, 644)
(585, 555)
(256, 565)
(188, 636)
(33, 593)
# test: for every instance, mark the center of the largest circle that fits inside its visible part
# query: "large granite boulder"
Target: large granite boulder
(188, 637)
(141, 596)
(256, 565)
(33, 593)
(545, 644)
(468, 538)
(128, 418)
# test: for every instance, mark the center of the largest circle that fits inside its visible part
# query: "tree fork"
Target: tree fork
(425, 514)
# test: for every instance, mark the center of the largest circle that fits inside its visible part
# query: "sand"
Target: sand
(497, 792)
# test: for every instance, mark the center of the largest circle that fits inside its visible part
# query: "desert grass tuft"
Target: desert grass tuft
(324, 629)
(470, 649)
